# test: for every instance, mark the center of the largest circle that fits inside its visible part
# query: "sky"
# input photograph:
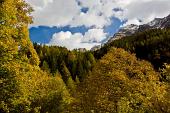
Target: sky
(86, 23)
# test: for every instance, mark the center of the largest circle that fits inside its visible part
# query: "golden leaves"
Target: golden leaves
(121, 83)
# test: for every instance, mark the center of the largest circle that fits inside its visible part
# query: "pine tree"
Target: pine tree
(65, 72)
(80, 70)
(45, 66)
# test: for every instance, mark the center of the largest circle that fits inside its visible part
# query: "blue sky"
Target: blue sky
(86, 23)
(43, 34)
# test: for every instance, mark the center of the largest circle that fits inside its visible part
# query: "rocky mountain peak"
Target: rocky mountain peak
(157, 23)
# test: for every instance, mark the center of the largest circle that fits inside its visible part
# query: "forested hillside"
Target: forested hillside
(152, 45)
(50, 79)
(60, 60)
(119, 83)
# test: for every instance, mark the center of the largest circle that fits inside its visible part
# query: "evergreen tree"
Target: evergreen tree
(80, 70)
(66, 76)
(65, 72)
(45, 66)
(152, 45)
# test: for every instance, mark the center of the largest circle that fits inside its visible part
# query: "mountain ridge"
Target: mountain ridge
(157, 23)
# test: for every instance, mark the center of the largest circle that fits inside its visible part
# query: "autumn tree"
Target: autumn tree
(152, 45)
(24, 87)
(119, 83)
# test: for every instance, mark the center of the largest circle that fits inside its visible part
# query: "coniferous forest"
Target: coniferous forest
(129, 75)
(152, 45)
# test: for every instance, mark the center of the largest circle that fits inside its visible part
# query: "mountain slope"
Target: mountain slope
(152, 45)
(157, 23)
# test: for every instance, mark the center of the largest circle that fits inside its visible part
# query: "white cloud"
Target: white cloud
(145, 10)
(94, 35)
(98, 15)
(68, 13)
(132, 21)
(77, 40)
(54, 12)
(90, 20)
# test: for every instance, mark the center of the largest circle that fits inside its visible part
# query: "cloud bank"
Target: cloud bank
(144, 11)
(95, 15)
(91, 38)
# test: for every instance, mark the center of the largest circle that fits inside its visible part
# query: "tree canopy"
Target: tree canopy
(121, 83)
(24, 87)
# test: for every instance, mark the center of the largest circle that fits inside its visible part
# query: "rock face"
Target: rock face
(157, 23)
(96, 48)
(160, 23)
(125, 31)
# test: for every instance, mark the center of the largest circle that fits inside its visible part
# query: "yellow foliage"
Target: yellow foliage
(119, 83)
(24, 87)
(31, 88)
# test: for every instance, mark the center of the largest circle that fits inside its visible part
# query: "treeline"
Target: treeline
(54, 59)
(152, 45)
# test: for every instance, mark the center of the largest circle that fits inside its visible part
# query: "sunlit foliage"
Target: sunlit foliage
(152, 45)
(24, 88)
(63, 81)
(120, 83)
